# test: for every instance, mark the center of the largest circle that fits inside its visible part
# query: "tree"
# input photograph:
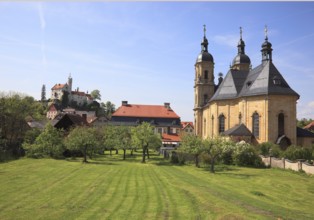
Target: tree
(192, 144)
(214, 148)
(65, 99)
(83, 139)
(109, 108)
(118, 137)
(48, 143)
(303, 122)
(95, 94)
(144, 137)
(43, 93)
(14, 108)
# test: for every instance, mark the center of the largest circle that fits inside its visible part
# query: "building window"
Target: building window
(204, 126)
(281, 124)
(255, 126)
(240, 118)
(221, 123)
(159, 130)
(206, 74)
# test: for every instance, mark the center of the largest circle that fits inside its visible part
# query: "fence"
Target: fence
(287, 164)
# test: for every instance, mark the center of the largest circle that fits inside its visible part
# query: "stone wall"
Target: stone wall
(287, 164)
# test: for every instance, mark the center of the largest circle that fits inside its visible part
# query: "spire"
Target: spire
(265, 30)
(205, 41)
(241, 44)
(266, 47)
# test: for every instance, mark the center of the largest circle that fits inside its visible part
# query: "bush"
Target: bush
(177, 158)
(245, 155)
(294, 153)
(267, 147)
(226, 154)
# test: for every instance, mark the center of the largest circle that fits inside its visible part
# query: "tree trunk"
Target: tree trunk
(196, 161)
(131, 152)
(85, 152)
(117, 151)
(124, 151)
(110, 152)
(147, 150)
(144, 154)
(212, 165)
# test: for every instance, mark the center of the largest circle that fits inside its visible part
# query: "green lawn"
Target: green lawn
(109, 188)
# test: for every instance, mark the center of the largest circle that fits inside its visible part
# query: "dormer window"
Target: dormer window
(276, 81)
(249, 83)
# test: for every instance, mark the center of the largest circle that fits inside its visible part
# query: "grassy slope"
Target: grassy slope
(108, 188)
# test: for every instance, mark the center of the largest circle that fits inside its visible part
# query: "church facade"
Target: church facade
(252, 104)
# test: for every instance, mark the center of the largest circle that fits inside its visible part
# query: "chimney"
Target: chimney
(124, 103)
(167, 105)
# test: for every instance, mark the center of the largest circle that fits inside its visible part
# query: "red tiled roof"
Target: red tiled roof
(151, 111)
(58, 86)
(309, 126)
(171, 138)
(186, 123)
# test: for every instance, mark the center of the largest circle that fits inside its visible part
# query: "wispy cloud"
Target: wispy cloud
(306, 110)
(42, 27)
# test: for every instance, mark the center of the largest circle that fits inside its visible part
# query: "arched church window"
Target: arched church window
(255, 126)
(240, 118)
(221, 120)
(204, 126)
(206, 74)
(281, 124)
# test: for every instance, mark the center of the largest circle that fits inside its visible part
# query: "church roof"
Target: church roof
(265, 79)
(58, 86)
(238, 130)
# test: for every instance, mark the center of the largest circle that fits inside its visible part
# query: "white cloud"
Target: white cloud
(41, 16)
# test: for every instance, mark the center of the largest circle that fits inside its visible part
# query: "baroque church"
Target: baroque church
(252, 104)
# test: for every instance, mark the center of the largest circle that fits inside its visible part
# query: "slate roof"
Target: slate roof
(145, 111)
(258, 81)
(304, 133)
(238, 130)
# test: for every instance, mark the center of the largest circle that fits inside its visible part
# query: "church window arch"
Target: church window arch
(221, 120)
(281, 124)
(206, 74)
(255, 124)
(240, 118)
(204, 126)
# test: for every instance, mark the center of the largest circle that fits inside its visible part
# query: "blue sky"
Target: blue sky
(144, 52)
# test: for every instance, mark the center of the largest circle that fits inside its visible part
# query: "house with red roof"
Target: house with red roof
(187, 127)
(162, 117)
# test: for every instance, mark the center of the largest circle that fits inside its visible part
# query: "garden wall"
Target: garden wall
(287, 164)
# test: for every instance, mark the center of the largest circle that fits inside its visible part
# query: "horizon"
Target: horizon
(144, 52)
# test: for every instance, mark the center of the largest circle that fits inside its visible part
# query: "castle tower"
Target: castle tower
(241, 61)
(70, 81)
(204, 86)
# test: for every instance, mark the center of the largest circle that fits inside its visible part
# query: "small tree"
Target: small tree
(144, 137)
(96, 94)
(214, 148)
(192, 144)
(43, 93)
(48, 143)
(83, 139)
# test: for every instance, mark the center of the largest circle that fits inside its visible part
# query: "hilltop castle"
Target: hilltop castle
(74, 97)
(254, 104)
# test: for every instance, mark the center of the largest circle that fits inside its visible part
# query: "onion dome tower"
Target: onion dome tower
(266, 48)
(241, 60)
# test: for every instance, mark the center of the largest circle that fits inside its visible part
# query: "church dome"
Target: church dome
(241, 59)
(204, 56)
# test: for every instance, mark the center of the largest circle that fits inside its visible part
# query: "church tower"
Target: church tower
(241, 61)
(204, 86)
